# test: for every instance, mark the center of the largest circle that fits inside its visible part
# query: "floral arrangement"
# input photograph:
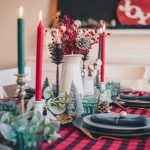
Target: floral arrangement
(74, 39)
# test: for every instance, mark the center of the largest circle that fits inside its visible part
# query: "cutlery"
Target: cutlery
(120, 104)
(85, 131)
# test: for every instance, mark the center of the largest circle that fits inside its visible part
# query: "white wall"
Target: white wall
(127, 47)
(8, 28)
(122, 47)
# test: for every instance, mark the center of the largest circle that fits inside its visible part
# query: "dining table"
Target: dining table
(73, 138)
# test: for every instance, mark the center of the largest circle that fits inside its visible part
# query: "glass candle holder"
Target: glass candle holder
(88, 85)
(90, 103)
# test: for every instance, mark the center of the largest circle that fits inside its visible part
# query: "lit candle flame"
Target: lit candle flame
(40, 15)
(58, 37)
(104, 27)
(21, 12)
(101, 30)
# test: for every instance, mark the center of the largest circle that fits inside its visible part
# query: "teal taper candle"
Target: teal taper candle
(99, 46)
(20, 29)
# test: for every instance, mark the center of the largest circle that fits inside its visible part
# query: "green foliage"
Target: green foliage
(24, 130)
(114, 88)
(7, 132)
(6, 117)
(50, 131)
(30, 104)
(8, 106)
(60, 102)
(83, 44)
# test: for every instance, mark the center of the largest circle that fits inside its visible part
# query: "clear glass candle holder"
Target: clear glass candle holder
(90, 104)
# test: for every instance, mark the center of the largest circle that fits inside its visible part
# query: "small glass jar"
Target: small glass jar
(88, 85)
(90, 103)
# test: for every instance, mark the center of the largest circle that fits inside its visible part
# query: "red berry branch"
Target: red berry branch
(74, 39)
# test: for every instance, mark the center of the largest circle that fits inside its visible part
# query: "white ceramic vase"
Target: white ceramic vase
(71, 71)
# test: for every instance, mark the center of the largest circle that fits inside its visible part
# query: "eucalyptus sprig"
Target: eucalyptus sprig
(53, 105)
(18, 129)
(60, 102)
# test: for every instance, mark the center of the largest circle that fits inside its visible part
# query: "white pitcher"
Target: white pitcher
(71, 71)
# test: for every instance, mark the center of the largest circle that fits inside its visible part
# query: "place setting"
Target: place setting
(121, 125)
(133, 99)
(105, 123)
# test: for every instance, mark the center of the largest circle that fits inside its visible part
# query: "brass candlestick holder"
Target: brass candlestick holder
(21, 82)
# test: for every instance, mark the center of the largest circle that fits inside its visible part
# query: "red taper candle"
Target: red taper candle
(103, 54)
(39, 58)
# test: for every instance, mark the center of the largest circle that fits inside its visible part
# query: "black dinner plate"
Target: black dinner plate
(114, 128)
(142, 102)
(134, 103)
(78, 123)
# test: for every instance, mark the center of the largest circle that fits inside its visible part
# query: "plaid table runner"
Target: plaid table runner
(74, 139)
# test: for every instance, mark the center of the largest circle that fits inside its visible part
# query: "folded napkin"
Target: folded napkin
(126, 121)
(135, 95)
(145, 97)
(7, 106)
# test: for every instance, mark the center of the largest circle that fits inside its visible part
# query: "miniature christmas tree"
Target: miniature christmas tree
(75, 107)
(57, 55)
(45, 84)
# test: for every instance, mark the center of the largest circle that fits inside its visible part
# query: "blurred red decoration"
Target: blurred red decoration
(134, 12)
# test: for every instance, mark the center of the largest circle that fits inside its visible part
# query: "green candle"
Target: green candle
(99, 47)
(20, 22)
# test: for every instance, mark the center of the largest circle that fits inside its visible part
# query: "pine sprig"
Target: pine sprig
(83, 44)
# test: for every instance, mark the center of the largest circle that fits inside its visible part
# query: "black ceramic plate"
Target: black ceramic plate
(119, 134)
(97, 130)
(146, 106)
(135, 101)
(114, 128)
(78, 123)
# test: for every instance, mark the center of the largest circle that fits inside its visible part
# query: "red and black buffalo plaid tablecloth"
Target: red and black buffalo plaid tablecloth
(74, 139)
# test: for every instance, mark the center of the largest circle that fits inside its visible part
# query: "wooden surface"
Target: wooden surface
(53, 8)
